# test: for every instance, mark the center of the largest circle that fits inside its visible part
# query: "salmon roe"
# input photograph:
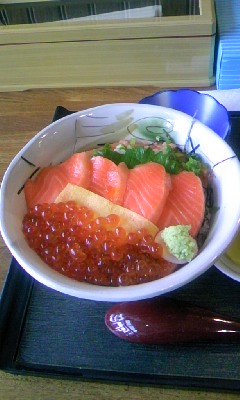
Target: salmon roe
(71, 240)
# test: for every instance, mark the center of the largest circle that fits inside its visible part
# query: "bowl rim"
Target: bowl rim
(225, 265)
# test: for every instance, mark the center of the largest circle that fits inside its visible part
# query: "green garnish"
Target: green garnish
(179, 243)
(173, 160)
(194, 164)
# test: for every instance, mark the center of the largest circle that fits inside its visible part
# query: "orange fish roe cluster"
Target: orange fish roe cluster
(76, 243)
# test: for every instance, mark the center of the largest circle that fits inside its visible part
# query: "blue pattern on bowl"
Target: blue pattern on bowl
(202, 106)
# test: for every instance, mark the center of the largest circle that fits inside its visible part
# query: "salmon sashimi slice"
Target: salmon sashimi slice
(108, 179)
(147, 190)
(185, 204)
(52, 180)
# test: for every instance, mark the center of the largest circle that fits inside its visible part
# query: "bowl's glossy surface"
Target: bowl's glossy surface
(108, 123)
(204, 107)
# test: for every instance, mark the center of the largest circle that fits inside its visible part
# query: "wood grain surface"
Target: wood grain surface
(22, 115)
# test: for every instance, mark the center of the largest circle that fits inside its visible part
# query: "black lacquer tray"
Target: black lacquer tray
(47, 333)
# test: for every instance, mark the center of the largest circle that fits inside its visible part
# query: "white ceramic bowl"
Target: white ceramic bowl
(108, 123)
(230, 265)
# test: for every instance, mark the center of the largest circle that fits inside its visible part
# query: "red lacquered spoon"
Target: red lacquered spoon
(169, 321)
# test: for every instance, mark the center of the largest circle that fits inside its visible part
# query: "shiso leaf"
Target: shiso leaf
(173, 159)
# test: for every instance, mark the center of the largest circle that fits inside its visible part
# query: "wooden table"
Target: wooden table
(22, 115)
